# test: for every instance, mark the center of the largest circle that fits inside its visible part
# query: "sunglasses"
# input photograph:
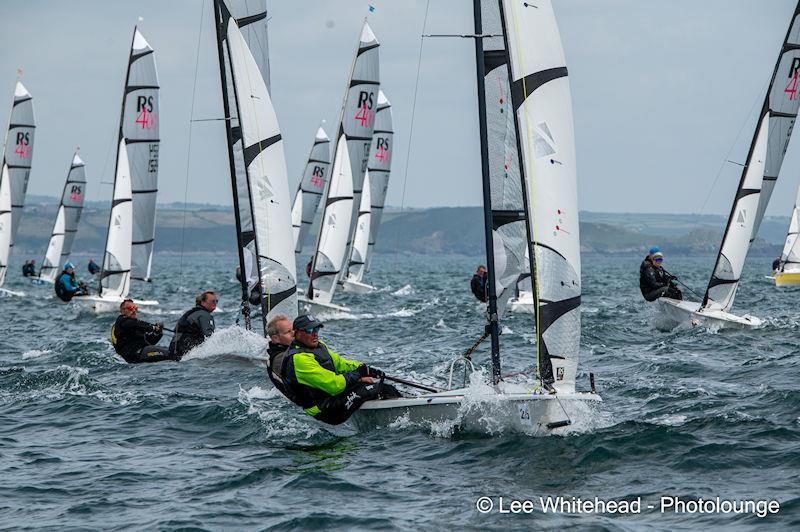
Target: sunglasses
(215, 301)
(659, 260)
(311, 330)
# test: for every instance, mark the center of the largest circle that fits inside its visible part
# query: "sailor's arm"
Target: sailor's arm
(308, 371)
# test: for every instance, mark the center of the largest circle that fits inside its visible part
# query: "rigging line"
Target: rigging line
(726, 159)
(189, 146)
(532, 205)
(413, 115)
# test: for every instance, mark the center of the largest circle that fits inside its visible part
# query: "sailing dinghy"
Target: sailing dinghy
(379, 168)
(528, 168)
(351, 152)
(66, 224)
(310, 190)
(788, 272)
(767, 149)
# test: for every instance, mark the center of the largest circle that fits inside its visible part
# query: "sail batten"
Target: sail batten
(67, 219)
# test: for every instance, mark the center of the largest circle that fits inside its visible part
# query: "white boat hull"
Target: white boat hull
(5, 292)
(515, 409)
(318, 307)
(102, 304)
(523, 304)
(356, 287)
(39, 281)
(676, 313)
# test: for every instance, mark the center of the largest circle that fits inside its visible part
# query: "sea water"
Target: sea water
(87, 441)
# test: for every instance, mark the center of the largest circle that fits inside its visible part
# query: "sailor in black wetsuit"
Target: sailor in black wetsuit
(776, 264)
(281, 335)
(654, 282)
(195, 325)
(29, 268)
(479, 283)
(135, 340)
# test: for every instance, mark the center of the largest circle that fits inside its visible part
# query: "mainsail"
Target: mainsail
(361, 240)
(258, 172)
(741, 222)
(310, 189)
(251, 17)
(790, 256)
(67, 219)
(357, 119)
(780, 106)
(115, 278)
(331, 246)
(139, 126)
(19, 152)
(379, 167)
(542, 104)
(5, 222)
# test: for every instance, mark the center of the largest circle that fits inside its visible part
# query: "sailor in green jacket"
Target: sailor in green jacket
(328, 387)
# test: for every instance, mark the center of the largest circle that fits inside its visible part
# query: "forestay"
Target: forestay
(266, 179)
(781, 106)
(67, 219)
(361, 239)
(139, 126)
(357, 121)
(331, 246)
(540, 95)
(5, 222)
(18, 154)
(115, 278)
(310, 190)
(379, 167)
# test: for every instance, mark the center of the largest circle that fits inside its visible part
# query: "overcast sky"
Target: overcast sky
(662, 91)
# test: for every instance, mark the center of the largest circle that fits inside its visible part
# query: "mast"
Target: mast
(245, 307)
(492, 324)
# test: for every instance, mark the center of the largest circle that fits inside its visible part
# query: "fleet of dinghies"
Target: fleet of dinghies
(528, 178)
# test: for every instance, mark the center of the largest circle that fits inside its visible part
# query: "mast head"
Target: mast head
(367, 36)
(140, 44)
(20, 91)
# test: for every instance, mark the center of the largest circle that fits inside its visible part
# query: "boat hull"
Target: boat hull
(5, 292)
(356, 287)
(523, 304)
(463, 409)
(102, 304)
(306, 306)
(676, 313)
(39, 281)
(786, 279)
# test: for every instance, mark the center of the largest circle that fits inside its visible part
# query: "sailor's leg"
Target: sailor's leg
(151, 353)
(339, 408)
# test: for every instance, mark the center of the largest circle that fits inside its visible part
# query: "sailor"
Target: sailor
(281, 335)
(328, 387)
(94, 268)
(67, 286)
(134, 339)
(654, 281)
(29, 268)
(479, 283)
(776, 264)
(195, 325)
(239, 274)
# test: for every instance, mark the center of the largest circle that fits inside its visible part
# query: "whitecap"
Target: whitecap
(231, 340)
(35, 353)
(404, 291)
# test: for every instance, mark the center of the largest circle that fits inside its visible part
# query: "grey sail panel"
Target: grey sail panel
(509, 218)
(67, 219)
(379, 166)
(19, 152)
(358, 116)
(251, 17)
(311, 188)
(783, 101)
(139, 127)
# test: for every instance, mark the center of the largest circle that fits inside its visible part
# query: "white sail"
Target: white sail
(379, 167)
(18, 154)
(251, 17)
(361, 239)
(357, 122)
(5, 222)
(790, 256)
(331, 246)
(115, 279)
(782, 103)
(541, 99)
(267, 180)
(311, 189)
(139, 126)
(736, 241)
(67, 219)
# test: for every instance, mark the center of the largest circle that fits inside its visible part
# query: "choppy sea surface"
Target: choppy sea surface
(89, 442)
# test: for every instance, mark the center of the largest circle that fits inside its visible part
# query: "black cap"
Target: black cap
(306, 321)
